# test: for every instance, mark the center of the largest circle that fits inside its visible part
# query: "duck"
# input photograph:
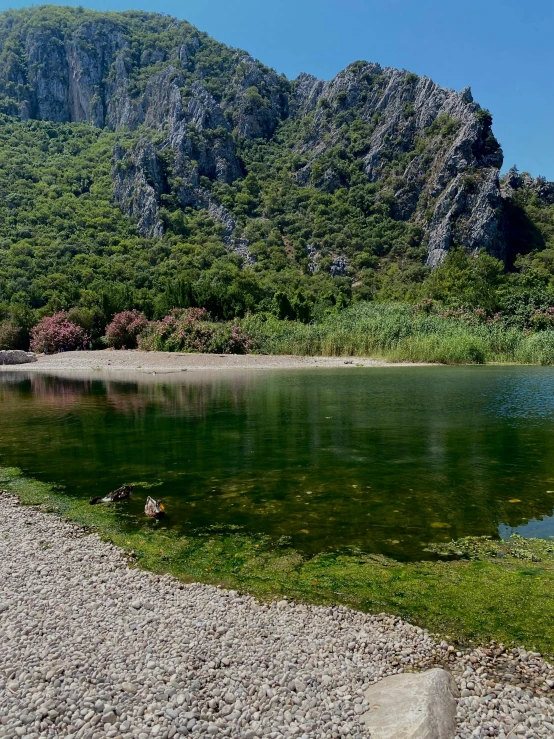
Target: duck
(121, 493)
(154, 508)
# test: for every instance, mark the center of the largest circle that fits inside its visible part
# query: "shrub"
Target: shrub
(123, 331)
(190, 330)
(58, 334)
(91, 320)
(541, 320)
(11, 335)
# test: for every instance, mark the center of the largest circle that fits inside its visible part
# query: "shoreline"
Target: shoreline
(141, 654)
(497, 591)
(165, 363)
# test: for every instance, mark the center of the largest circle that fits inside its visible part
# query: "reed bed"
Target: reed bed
(398, 333)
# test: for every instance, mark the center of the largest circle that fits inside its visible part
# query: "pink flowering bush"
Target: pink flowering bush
(427, 306)
(124, 329)
(191, 330)
(58, 334)
(473, 316)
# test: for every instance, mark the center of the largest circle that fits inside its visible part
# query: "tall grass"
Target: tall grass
(396, 333)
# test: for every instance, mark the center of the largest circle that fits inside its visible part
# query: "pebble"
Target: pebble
(92, 647)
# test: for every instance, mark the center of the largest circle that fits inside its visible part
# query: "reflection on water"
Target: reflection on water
(535, 529)
(386, 460)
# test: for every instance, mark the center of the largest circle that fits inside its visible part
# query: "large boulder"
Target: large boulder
(16, 356)
(413, 706)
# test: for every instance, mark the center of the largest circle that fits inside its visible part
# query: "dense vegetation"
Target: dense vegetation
(405, 333)
(65, 245)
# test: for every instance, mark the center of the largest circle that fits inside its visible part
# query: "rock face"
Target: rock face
(413, 706)
(447, 160)
(16, 356)
(95, 70)
(197, 102)
(138, 183)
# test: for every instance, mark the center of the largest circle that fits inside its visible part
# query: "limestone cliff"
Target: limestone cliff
(196, 102)
(446, 157)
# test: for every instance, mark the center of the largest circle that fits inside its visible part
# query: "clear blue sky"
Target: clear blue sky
(503, 49)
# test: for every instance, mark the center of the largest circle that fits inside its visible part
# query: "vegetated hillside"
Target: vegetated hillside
(144, 165)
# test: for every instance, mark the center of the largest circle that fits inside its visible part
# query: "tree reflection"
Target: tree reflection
(382, 460)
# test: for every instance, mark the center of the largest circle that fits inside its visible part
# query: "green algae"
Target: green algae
(476, 591)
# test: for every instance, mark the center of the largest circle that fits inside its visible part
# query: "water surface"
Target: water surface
(384, 460)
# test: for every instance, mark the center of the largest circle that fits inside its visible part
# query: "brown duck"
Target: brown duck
(121, 493)
(154, 508)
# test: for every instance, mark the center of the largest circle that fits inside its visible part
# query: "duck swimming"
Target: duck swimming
(121, 493)
(154, 508)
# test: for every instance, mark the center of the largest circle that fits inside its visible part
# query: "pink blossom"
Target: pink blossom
(124, 329)
(57, 334)
(191, 330)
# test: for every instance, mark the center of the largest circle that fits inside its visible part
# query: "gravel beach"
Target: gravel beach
(174, 362)
(93, 647)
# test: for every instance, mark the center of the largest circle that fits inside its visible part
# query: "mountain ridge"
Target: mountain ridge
(94, 71)
(142, 162)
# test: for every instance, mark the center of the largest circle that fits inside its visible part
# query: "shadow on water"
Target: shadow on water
(385, 460)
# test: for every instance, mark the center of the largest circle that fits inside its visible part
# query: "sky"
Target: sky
(502, 49)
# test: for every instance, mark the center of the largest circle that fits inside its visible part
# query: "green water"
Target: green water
(385, 460)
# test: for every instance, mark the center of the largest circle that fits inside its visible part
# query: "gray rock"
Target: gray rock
(16, 356)
(450, 187)
(257, 118)
(339, 266)
(109, 718)
(413, 706)
(139, 181)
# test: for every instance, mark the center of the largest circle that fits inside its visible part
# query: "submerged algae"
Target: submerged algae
(490, 590)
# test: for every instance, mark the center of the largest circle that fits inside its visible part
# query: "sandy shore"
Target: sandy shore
(166, 362)
(91, 647)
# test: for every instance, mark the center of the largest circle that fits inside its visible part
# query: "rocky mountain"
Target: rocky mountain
(439, 142)
(195, 103)
(145, 165)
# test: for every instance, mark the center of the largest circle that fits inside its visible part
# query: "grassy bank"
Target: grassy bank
(501, 591)
(398, 333)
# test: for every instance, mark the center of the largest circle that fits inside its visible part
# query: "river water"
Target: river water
(384, 460)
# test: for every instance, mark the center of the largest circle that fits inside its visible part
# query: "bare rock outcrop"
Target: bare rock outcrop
(444, 157)
(138, 183)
